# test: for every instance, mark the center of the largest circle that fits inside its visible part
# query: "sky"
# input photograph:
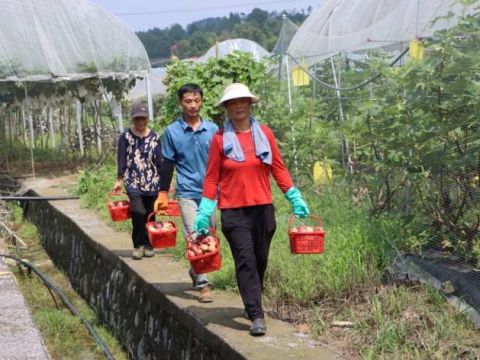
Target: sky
(142, 15)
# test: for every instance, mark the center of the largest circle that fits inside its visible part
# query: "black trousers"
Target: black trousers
(140, 207)
(249, 231)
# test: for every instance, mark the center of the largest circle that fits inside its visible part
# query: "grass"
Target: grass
(313, 291)
(400, 322)
(64, 334)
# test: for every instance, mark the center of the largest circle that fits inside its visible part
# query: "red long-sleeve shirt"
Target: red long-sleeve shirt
(244, 183)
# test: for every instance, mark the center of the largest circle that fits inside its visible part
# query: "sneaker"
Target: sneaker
(205, 295)
(137, 253)
(148, 252)
(258, 327)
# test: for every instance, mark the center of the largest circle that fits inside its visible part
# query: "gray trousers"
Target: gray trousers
(188, 210)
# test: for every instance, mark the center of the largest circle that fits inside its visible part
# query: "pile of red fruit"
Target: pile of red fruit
(161, 226)
(306, 229)
(202, 245)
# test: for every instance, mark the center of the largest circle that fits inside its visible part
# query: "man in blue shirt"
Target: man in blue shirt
(185, 144)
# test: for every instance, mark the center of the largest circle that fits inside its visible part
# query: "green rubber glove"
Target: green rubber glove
(299, 206)
(205, 211)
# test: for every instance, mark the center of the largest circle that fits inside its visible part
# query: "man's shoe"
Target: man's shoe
(258, 327)
(148, 252)
(205, 295)
(137, 253)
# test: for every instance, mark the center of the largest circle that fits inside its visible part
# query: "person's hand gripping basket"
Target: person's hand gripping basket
(203, 252)
(162, 234)
(165, 205)
(119, 209)
(306, 239)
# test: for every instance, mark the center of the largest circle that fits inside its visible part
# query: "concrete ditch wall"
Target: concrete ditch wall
(148, 324)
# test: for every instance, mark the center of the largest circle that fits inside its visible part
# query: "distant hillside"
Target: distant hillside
(260, 26)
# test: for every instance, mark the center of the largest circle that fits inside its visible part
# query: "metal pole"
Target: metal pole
(288, 85)
(79, 126)
(340, 107)
(117, 113)
(149, 97)
(24, 117)
(292, 125)
(98, 124)
(50, 123)
(30, 123)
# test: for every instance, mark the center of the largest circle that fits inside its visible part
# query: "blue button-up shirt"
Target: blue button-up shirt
(188, 149)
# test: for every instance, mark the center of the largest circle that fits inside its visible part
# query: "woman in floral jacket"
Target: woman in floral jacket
(138, 160)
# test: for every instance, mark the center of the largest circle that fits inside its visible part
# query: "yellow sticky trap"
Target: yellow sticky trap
(300, 77)
(322, 173)
(416, 50)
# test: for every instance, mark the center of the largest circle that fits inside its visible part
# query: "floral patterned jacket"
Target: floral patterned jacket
(138, 161)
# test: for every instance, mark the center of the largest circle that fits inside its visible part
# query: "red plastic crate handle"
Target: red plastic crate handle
(111, 194)
(318, 220)
(211, 231)
(153, 213)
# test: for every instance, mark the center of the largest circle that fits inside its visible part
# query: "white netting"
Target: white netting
(228, 46)
(65, 40)
(356, 25)
(287, 32)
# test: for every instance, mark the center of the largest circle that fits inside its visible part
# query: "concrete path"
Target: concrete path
(19, 338)
(223, 317)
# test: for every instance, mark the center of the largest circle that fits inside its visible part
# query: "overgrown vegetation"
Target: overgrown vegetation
(409, 143)
(64, 335)
(342, 284)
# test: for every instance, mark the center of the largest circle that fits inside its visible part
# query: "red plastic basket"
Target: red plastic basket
(207, 262)
(173, 209)
(159, 237)
(119, 209)
(306, 242)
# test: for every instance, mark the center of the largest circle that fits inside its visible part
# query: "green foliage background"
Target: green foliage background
(259, 25)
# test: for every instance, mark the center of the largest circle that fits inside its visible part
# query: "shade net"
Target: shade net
(358, 25)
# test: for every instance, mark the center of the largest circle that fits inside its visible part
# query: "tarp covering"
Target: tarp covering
(228, 46)
(356, 25)
(64, 40)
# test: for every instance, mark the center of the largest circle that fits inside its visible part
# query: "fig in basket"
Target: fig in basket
(202, 245)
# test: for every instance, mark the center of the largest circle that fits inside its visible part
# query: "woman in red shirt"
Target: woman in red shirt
(242, 156)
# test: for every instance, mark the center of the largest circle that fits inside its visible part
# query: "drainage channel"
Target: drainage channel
(20, 338)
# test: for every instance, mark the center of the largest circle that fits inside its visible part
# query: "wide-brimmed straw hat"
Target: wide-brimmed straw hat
(236, 91)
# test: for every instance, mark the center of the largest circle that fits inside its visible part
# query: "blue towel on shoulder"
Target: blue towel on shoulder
(233, 150)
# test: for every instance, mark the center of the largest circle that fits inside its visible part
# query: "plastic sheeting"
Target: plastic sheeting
(158, 88)
(65, 40)
(356, 25)
(228, 46)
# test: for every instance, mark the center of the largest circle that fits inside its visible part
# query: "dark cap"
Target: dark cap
(139, 110)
